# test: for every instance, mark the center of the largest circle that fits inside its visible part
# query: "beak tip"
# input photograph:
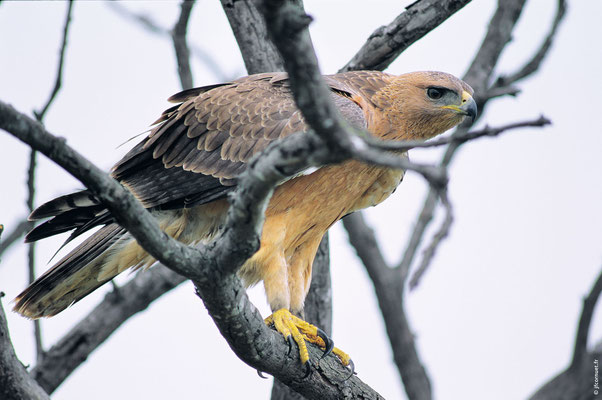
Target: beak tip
(471, 110)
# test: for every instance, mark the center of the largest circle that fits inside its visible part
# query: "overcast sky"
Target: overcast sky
(496, 315)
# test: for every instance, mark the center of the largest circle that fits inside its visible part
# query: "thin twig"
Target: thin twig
(454, 141)
(32, 168)
(178, 35)
(59, 75)
(14, 235)
(497, 37)
(589, 304)
(429, 251)
(533, 65)
(424, 219)
(31, 248)
(460, 137)
(153, 27)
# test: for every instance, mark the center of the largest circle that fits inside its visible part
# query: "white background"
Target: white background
(496, 315)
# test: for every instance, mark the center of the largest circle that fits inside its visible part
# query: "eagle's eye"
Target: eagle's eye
(435, 93)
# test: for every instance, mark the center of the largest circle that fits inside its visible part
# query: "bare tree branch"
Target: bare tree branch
(151, 26)
(388, 42)
(59, 75)
(248, 26)
(498, 36)
(572, 383)
(460, 137)
(117, 307)
(589, 303)
(31, 247)
(31, 171)
(178, 35)
(577, 381)
(388, 286)
(15, 382)
(16, 234)
(429, 251)
(505, 82)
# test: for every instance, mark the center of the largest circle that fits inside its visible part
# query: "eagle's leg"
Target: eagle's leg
(288, 319)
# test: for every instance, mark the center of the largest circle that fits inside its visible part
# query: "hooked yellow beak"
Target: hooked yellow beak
(468, 106)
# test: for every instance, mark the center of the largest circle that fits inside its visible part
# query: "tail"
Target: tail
(75, 276)
(84, 269)
(106, 253)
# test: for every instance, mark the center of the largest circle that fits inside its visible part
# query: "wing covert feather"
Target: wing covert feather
(203, 144)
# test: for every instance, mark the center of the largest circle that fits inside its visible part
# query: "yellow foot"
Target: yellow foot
(294, 328)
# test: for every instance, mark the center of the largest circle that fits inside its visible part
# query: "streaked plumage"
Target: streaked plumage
(184, 168)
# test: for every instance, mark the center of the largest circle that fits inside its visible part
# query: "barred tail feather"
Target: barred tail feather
(72, 278)
(80, 211)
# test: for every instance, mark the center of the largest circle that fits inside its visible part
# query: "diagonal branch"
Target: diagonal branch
(388, 42)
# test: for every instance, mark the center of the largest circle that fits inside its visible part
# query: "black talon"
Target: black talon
(307, 370)
(261, 375)
(351, 366)
(327, 341)
(291, 343)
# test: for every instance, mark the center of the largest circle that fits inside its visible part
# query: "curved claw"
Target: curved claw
(291, 342)
(351, 367)
(261, 375)
(307, 370)
(327, 341)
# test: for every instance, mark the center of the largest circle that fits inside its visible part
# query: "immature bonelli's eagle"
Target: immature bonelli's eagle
(183, 170)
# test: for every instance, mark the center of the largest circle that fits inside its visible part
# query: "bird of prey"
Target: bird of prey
(183, 170)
